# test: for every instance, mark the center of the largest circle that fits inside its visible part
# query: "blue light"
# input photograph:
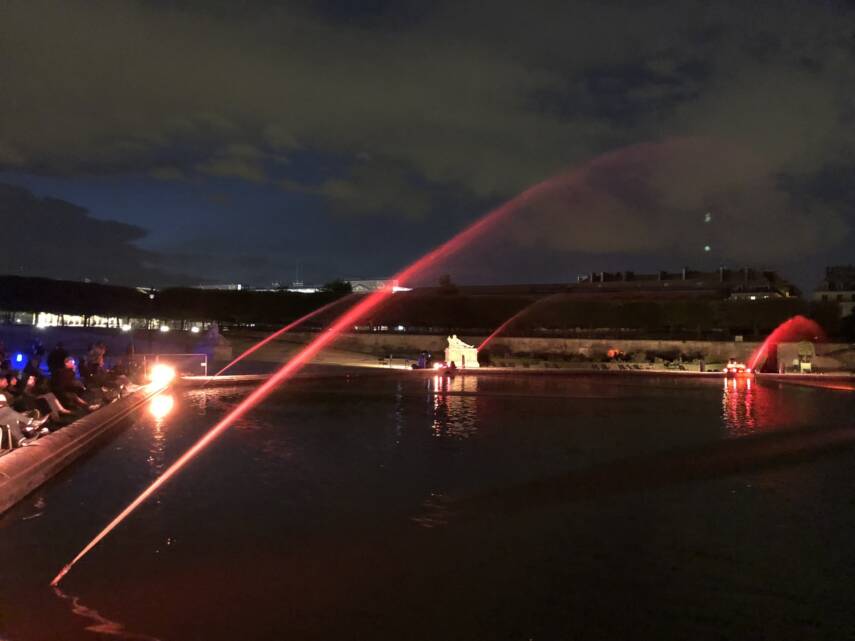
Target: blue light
(19, 358)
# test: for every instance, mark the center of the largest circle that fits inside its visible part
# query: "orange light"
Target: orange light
(161, 406)
(161, 374)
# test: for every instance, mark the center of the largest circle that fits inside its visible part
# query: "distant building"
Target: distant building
(838, 287)
(731, 284)
(231, 287)
(721, 284)
(370, 285)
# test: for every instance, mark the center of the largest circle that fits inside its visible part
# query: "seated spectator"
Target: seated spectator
(20, 427)
(6, 368)
(33, 368)
(56, 358)
(6, 396)
(12, 427)
(29, 399)
(92, 367)
(68, 389)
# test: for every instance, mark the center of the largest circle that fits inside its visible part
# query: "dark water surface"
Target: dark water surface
(401, 507)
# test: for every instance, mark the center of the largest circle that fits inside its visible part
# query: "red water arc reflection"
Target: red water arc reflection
(798, 328)
(299, 360)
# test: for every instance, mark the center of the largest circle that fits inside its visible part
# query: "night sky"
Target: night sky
(167, 142)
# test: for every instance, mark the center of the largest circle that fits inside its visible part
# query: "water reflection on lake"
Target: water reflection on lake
(332, 512)
(454, 406)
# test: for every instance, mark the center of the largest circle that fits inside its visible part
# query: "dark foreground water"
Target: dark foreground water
(499, 508)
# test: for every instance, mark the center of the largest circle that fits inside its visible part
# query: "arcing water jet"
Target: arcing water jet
(355, 313)
(796, 328)
(508, 322)
(282, 331)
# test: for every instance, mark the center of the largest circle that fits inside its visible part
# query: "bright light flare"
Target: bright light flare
(161, 374)
(161, 406)
(438, 365)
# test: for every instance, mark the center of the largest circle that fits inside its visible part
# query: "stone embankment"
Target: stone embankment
(25, 469)
(829, 356)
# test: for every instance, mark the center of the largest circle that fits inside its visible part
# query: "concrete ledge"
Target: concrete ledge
(222, 381)
(26, 468)
(837, 382)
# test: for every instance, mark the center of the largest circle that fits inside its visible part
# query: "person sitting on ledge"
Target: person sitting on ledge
(6, 368)
(92, 370)
(56, 358)
(28, 398)
(67, 388)
(22, 427)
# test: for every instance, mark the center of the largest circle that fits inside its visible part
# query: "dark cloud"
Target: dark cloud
(53, 238)
(675, 199)
(417, 100)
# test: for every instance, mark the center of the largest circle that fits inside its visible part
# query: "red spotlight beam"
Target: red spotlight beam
(355, 313)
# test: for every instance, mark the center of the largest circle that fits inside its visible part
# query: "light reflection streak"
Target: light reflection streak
(749, 406)
(160, 407)
(455, 414)
(101, 624)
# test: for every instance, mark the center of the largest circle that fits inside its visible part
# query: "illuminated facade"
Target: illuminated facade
(838, 287)
(463, 355)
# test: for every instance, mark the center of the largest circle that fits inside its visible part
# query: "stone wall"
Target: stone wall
(829, 355)
(26, 468)
(386, 343)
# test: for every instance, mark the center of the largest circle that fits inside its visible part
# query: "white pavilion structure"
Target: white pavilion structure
(461, 354)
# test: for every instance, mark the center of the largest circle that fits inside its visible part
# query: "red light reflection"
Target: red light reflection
(749, 406)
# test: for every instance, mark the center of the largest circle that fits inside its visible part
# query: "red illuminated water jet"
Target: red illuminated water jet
(282, 331)
(508, 322)
(797, 328)
(343, 322)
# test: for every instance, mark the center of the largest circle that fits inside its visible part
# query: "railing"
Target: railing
(184, 364)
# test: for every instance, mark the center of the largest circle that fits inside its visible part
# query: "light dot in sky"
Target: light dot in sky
(708, 217)
(707, 248)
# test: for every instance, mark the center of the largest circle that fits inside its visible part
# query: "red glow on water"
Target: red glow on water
(282, 331)
(342, 323)
(798, 328)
